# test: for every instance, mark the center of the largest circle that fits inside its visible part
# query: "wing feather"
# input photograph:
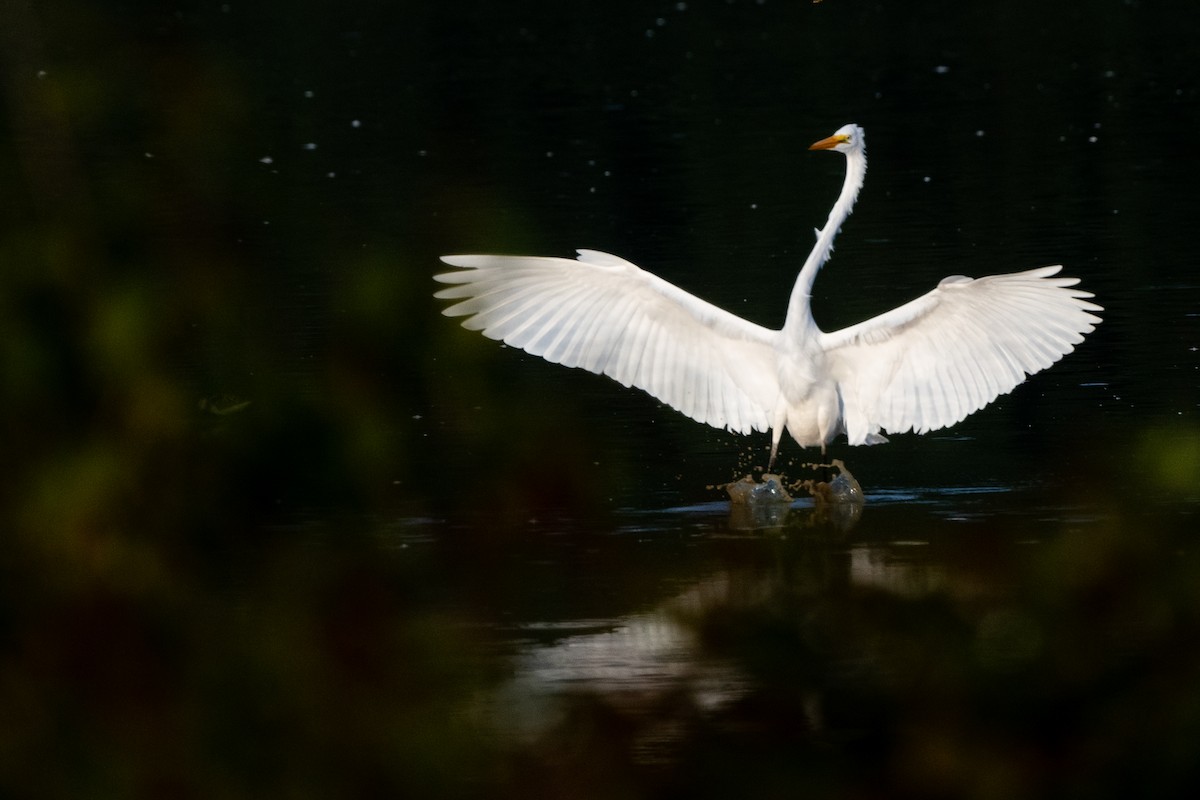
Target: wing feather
(576, 323)
(934, 360)
(608, 316)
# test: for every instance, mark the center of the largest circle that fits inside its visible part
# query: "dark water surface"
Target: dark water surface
(273, 526)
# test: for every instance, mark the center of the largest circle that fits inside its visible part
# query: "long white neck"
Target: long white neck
(799, 315)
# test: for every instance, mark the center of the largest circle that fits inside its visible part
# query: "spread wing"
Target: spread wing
(933, 361)
(606, 315)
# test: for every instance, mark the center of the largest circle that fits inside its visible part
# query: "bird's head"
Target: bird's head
(846, 139)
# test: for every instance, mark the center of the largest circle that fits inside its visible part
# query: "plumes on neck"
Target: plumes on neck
(799, 315)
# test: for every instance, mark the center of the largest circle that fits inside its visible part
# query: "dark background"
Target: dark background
(272, 525)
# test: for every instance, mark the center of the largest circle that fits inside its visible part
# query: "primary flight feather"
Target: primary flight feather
(922, 366)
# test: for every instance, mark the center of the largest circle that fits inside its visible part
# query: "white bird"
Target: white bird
(922, 366)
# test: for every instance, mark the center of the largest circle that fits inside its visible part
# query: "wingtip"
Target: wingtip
(600, 258)
(462, 276)
(1047, 271)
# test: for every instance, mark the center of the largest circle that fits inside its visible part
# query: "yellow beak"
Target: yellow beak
(830, 143)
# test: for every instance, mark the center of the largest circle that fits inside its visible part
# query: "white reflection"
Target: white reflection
(651, 664)
(880, 568)
(636, 662)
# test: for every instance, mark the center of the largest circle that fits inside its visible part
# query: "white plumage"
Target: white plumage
(920, 367)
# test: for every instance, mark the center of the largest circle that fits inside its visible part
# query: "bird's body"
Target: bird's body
(924, 365)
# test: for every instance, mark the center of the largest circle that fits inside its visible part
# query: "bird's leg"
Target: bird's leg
(826, 475)
(775, 437)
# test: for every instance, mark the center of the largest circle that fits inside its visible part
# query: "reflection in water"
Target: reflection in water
(880, 568)
(950, 656)
(642, 663)
(797, 515)
(652, 663)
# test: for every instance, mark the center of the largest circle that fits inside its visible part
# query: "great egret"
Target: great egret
(922, 366)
